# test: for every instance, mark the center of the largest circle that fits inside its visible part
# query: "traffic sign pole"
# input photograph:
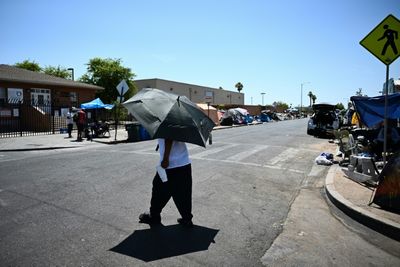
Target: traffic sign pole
(384, 44)
(122, 88)
(385, 120)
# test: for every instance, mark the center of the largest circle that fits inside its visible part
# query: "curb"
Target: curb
(104, 142)
(36, 148)
(379, 224)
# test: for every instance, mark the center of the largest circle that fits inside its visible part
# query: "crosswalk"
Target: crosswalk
(265, 156)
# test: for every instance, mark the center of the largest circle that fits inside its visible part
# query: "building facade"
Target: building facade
(36, 102)
(20, 85)
(196, 93)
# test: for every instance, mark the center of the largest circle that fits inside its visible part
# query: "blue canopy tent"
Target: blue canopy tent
(95, 104)
(371, 110)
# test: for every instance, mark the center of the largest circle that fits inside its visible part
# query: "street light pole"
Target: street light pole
(72, 72)
(262, 96)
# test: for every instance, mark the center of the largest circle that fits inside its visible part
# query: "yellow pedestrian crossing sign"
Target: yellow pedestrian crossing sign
(384, 40)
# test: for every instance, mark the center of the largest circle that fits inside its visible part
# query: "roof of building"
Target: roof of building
(13, 74)
(189, 84)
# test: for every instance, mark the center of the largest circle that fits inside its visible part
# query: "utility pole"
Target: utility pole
(262, 96)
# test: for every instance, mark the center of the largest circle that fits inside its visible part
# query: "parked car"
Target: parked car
(324, 120)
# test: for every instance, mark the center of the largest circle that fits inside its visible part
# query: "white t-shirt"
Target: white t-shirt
(179, 155)
(69, 119)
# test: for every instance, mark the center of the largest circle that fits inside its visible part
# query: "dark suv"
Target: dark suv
(324, 120)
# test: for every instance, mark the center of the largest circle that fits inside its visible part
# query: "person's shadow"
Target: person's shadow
(166, 241)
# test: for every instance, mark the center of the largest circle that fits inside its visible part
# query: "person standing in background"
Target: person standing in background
(70, 123)
(81, 121)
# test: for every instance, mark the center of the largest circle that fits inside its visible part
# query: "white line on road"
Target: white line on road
(249, 164)
(284, 156)
(247, 153)
(196, 157)
(209, 151)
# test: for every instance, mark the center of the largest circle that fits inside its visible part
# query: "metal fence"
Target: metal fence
(41, 118)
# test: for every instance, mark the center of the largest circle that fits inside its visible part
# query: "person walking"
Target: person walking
(70, 123)
(391, 36)
(177, 183)
(81, 120)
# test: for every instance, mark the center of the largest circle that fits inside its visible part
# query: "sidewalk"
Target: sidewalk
(351, 197)
(57, 141)
(60, 141)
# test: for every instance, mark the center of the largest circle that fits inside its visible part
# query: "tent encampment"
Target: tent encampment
(210, 111)
(95, 104)
(372, 109)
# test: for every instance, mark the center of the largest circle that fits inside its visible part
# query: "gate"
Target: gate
(42, 117)
(37, 118)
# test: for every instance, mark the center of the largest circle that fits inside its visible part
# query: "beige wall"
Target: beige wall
(195, 93)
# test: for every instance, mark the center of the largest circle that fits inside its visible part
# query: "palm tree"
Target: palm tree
(239, 86)
(310, 94)
(314, 97)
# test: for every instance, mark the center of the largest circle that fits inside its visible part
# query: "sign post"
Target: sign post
(122, 88)
(384, 43)
(208, 98)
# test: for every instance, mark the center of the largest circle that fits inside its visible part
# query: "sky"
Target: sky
(283, 48)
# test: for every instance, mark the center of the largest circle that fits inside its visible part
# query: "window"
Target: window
(72, 96)
(3, 96)
(15, 95)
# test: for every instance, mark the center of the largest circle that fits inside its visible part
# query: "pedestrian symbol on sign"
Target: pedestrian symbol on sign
(383, 41)
(390, 35)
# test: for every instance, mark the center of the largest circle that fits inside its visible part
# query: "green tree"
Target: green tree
(239, 86)
(280, 106)
(310, 94)
(108, 73)
(58, 72)
(28, 65)
(340, 106)
(359, 92)
(313, 97)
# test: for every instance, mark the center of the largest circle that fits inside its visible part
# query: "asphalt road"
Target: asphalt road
(252, 190)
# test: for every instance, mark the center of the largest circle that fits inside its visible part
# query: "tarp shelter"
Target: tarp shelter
(232, 116)
(242, 111)
(372, 109)
(213, 112)
(95, 104)
(387, 193)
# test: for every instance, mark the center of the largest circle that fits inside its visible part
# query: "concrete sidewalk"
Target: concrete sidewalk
(351, 197)
(60, 141)
(57, 141)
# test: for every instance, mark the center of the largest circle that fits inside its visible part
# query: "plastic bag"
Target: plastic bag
(324, 159)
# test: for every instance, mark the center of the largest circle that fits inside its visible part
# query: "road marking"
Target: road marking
(272, 164)
(248, 164)
(247, 153)
(208, 152)
(284, 156)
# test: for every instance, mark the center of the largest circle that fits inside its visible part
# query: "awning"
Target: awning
(372, 109)
(97, 103)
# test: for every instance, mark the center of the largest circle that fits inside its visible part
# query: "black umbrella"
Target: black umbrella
(166, 115)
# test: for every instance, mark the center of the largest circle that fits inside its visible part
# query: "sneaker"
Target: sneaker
(147, 218)
(185, 222)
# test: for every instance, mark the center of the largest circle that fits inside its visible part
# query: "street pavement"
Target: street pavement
(350, 197)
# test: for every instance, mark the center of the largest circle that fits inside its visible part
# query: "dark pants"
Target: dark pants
(80, 127)
(70, 129)
(178, 186)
